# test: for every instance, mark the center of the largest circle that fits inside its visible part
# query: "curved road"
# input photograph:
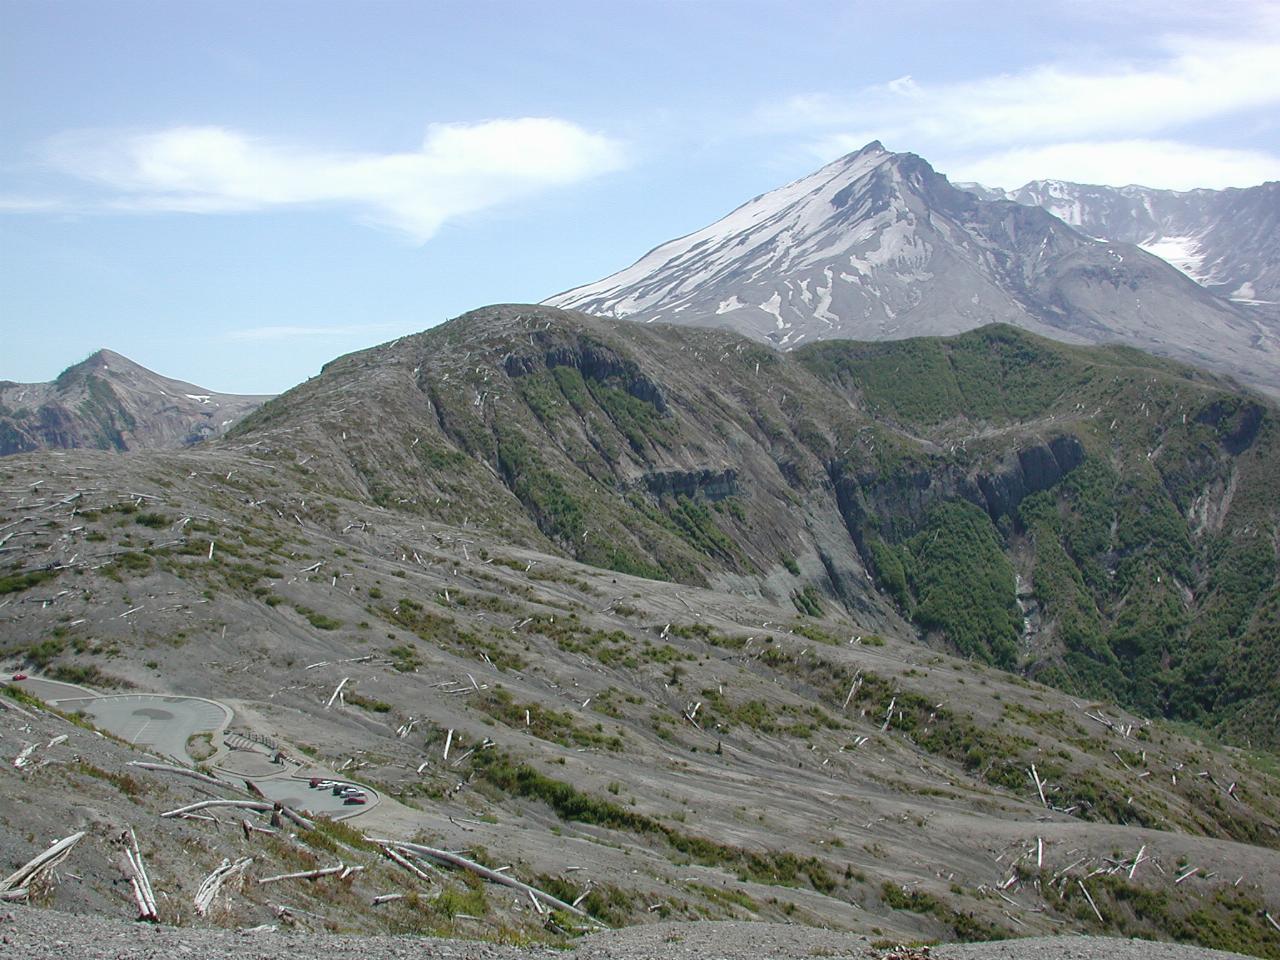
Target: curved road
(164, 724)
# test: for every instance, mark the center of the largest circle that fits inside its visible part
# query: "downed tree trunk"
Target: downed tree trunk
(258, 805)
(141, 883)
(493, 876)
(213, 882)
(22, 878)
(396, 857)
(341, 868)
(182, 772)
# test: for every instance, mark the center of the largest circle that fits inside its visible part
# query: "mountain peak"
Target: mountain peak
(877, 245)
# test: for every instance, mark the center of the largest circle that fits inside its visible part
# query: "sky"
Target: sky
(233, 193)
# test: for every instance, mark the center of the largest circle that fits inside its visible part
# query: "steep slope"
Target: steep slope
(108, 402)
(655, 749)
(1226, 240)
(877, 245)
(885, 478)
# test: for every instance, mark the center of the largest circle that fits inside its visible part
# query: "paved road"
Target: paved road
(159, 724)
(51, 691)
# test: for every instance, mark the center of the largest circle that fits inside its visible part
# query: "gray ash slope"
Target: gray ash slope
(108, 402)
(46, 935)
(878, 245)
(414, 521)
(1226, 240)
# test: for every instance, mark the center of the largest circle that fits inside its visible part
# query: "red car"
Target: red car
(19, 676)
(356, 799)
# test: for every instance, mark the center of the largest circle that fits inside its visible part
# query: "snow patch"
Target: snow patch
(1180, 252)
(733, 303)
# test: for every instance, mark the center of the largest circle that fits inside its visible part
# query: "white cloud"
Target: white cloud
(20, 204)
(459, 168)
(1152, 163)
(294, 332)
(1195, 81)
(1107, 122)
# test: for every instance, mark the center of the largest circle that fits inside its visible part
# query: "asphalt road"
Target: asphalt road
(159, 724)
(51, 691)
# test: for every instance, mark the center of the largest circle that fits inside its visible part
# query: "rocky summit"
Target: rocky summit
(916, 639)
(108, 402)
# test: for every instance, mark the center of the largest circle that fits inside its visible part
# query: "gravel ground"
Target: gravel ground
(49, 935)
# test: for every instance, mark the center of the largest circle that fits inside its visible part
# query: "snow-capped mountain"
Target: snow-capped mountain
(877, 245)
(1226, 240)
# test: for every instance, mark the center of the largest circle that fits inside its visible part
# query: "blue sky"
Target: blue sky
(234, 193)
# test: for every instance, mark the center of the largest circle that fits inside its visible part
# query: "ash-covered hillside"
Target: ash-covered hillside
(677, 626)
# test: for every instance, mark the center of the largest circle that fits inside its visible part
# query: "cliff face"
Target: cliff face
(916, 482)
(108, 402)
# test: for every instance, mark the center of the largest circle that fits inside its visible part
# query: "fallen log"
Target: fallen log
(493, 876)
(37, 865)
(258, 805)
(396, 857)
(307, 874)
(213, 882)
(181, 772)
(1085, 891)
(143, 895)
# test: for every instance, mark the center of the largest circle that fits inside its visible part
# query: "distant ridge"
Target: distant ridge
(108, 402)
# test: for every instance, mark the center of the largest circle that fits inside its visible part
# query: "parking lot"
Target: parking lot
(298, 795)
(159, 724)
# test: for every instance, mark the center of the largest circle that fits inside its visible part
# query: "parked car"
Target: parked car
(339, 786)
(355, 798)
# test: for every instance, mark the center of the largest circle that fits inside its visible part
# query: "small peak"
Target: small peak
(872, 150)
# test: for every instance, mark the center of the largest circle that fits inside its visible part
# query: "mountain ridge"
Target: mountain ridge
(607, 441)
(1222, 239)
(110, 402)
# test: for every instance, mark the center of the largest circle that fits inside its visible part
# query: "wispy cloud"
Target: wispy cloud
(1177, 166)
(1080, 116)
(331, 332)
(459, 168)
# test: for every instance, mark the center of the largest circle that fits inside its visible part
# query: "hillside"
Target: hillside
(617, 606)
(611, 444)
(878, 245)
(108, 402)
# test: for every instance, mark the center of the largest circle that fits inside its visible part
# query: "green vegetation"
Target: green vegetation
(556, 726)
(16, 582)
(964, 926)
(775, 867)
(953, 577)
(366, 703)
